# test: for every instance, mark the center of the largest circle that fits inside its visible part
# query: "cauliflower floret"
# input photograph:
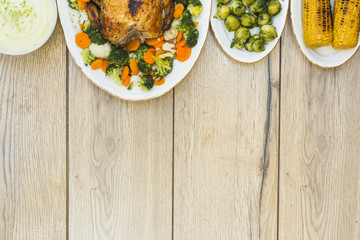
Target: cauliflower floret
(132, 55)
(100, 51)
(83, 17)
(169, 47)
(135, 79)
(171, 34)
(75, 18)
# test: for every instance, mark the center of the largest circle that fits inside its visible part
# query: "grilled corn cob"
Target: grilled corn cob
(346, 23)
(317, 25)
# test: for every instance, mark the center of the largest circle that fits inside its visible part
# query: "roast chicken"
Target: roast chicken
(120, 21)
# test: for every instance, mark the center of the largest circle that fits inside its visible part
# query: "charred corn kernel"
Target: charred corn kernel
(317, 25)
(346, 23)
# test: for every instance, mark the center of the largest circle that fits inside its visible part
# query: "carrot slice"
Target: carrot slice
(97, 64)
(159, 45)
(180, 44)
(125, 72)
(186, 56)
(152, 74)
(82, 5)
(86, 0)
(152, 50)
(126, 81)
(179, 6)
(165, 3)
(148, 57)
(180, 52)
(159, 82)
(155, 41)
(160, 52)
(134, 67)
(133, 45)
(82, 40)
(81, 26)
(179, 36)
(105, 65)
(179, 9)
(196, 24)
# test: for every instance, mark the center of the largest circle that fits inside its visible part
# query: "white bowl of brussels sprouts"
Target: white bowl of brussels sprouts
(248, 30)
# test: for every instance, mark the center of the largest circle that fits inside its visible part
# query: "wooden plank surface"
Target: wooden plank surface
(33, 143)
(200, 162)
(120, 164)
(320, 148)
(226, 138)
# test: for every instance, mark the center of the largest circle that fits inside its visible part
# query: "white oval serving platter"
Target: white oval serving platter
(326, 57)
(225, 38)
(180, 70)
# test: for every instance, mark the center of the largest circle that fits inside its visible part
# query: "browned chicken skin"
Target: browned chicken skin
(123, 20)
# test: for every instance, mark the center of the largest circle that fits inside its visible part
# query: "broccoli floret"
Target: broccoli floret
(141, 51)
(146, 83)
(73, 4)
(185, 22)
(113, 71)
(164, 66)
(87, 56)
(144, 67)
(119, 57)
(195, 7)
(95, 36)
(191, 37)
(130, 86)
(86, 25)
(183, 2)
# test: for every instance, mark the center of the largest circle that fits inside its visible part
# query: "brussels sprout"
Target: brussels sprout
(268, 32)
(241, 36)
(248, 2)
(249, 44)
(258, 45)
(248, 20)
(237, 7)
(222, 11)
(264, 19)
(274, 7)
(224, 1)
(258, 6)
(232, 23)
(239, 46)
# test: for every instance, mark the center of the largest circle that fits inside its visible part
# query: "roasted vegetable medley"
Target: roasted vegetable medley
(244, 16)
(142, 62)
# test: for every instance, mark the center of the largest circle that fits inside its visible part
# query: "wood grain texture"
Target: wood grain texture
(33, 143)
(226, 145)
(320, 148)
(120, 164)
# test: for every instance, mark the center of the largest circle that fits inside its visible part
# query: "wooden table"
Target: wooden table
(263, 151)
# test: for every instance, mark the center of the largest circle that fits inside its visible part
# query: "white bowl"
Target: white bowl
(326, 57)
(52, 26)
(180, 69)
(224, 37)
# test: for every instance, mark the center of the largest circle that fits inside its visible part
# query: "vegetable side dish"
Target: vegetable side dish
(135, 42)
(240, 16)
(320, 29)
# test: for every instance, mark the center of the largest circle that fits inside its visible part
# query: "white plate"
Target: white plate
(179, 72)
(326, 57)
(225, 38)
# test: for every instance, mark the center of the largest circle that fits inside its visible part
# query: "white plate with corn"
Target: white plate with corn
(327, 40)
